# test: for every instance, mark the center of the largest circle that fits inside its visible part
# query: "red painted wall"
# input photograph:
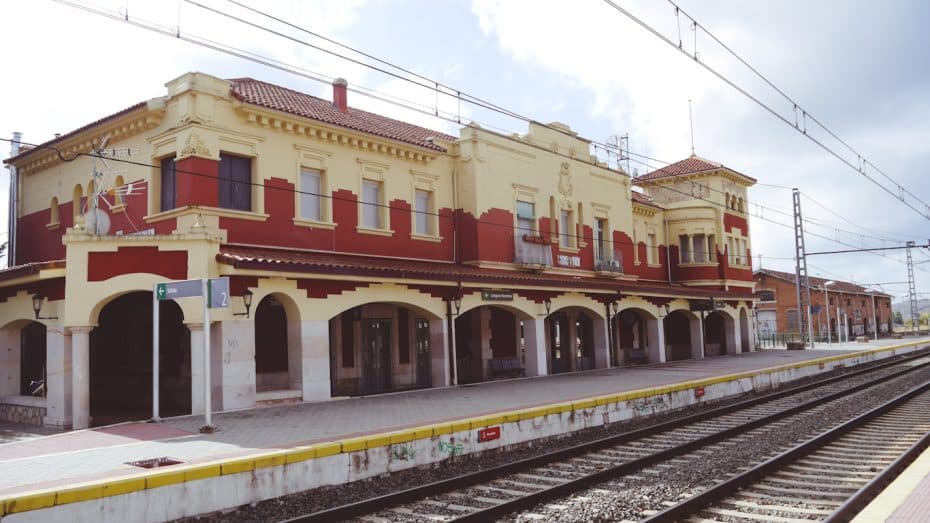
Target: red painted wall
(35, 242)
(196, 182)
(102, 266)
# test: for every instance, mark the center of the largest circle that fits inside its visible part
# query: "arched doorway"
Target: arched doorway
(271, 345)
(715, 334)
(633, 336)
(488, 344)
(570, 340)
(678, 340)
(385, 347)
(743, 331)
(121, 361)
(32, 360)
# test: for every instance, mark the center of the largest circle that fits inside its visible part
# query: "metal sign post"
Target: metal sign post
(215, 294)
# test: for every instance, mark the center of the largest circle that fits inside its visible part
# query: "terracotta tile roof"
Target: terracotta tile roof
(818, 283)
(27, 150)
(639, 197)
(287, 100)
(346, 264)
(690, 165)
(28, 269)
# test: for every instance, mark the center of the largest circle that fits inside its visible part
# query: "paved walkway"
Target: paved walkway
(103, 452)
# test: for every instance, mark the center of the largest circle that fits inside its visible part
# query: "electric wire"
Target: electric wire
(925, 211)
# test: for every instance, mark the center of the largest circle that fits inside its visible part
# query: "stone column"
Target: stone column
(196, 356)
(439, 348)
(656, 332)
(572, 348)
(10, 353)
(80, 377)
(601, 347)
(697, 338)
(735, 342)
(534, 338)
(58, 377)
(484, 318)
(233, 371)
(296, 353)
(314, 360)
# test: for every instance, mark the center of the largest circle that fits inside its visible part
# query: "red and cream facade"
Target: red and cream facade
(379, 256)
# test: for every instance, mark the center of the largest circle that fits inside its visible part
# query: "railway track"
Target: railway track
(830, 477)
(500, 491)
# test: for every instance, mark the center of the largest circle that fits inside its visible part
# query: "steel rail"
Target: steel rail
(726, 488)
(371, 505)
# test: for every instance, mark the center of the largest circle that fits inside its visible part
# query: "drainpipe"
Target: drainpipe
(450, 328)
(14, 202)
(668, 250)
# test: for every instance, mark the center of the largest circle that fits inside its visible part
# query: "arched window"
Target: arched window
(726, 200)
(77, 210)
(53, 211)
(741, 209)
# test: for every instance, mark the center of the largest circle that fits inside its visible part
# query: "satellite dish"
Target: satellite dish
(97, 221)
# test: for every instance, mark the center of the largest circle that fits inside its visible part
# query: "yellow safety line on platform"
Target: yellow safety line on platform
(184, 473)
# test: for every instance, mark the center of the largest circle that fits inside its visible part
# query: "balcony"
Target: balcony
(609, 263)
(532, 253)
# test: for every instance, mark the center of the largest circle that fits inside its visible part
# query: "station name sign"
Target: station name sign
(496, 295)
(705, 305)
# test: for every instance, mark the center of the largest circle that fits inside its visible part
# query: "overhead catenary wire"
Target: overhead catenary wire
(427, 83)
(862, 162)
(286, 67)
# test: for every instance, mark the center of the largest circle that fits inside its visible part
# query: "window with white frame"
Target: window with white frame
(566, 229)
(422, 219)
(684, 243)
(526, 218)
(651, 254)
(600, 239)
(311, 195)
(700, 247)
(372, 201)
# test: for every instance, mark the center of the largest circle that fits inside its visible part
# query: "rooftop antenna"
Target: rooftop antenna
(691, 119)
(100, 221)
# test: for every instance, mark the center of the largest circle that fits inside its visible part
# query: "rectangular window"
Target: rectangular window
(526, 218)
(600, 239)
(684, 243)
(711, 249)
(311, 199)
(700, 247)
(565, 226)
(168, 184)
(371, 205)
(422, 218)
(235, 183)
(651, 254)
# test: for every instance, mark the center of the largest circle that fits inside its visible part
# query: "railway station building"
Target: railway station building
(365, 255)
(837, 307)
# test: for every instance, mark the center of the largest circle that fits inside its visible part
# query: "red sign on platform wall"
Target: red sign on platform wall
(489, 434)
(699, 392)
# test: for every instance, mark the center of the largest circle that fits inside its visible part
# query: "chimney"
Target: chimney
(339, 95)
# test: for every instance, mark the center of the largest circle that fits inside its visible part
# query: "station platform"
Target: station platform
(83, 474)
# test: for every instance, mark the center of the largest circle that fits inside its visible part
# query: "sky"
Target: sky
(859, 67)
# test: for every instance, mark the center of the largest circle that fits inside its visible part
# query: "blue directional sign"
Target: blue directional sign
(172, 290)
(218, 293)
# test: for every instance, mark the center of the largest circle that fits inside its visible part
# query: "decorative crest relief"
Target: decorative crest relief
(194, 147)
(565, 181)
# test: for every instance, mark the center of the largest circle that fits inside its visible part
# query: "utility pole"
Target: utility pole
(912, 290)
(800, 272)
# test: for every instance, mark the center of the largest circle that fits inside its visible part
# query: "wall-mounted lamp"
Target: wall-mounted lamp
(548, 303)
(457, 302)
(37, 307)
(613, 307)
(247, 300)
(668, 309)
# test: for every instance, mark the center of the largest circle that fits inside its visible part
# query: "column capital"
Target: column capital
(194, 326)
(80, 329)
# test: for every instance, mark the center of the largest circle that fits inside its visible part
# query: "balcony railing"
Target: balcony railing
(532, 252)
(609, 262)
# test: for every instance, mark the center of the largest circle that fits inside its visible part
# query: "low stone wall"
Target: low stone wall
(25, 414)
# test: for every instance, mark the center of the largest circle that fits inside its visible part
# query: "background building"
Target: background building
(845, 307)
(371, 255)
